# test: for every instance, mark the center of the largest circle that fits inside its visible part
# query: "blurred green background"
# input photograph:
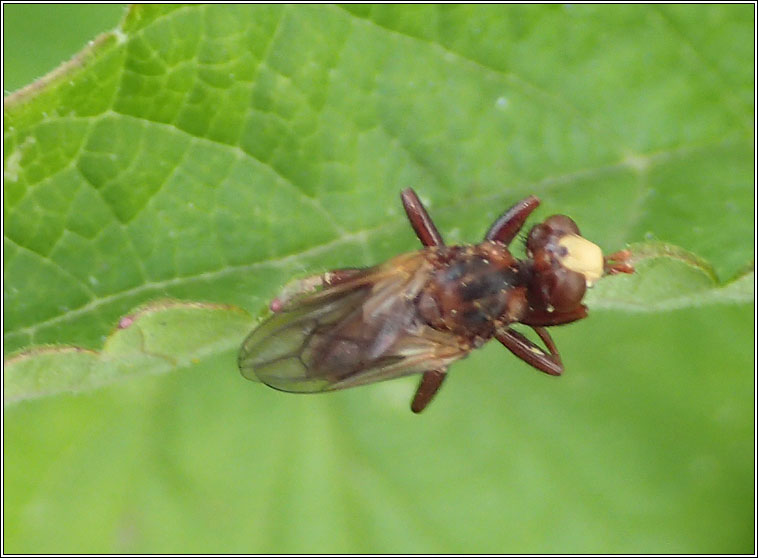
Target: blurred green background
(645, 445)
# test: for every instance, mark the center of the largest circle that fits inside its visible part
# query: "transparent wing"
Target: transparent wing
(360, 331)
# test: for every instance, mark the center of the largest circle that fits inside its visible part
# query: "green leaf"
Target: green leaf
(667, 277)
(160, 337)
(165, 183)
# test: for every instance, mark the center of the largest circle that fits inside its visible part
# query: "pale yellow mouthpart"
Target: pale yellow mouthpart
(583, 257)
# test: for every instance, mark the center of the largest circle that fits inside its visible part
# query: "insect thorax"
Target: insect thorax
(470, 289)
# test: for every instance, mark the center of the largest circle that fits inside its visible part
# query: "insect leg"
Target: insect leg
(507, 226)
(427, 388)
(312, 283)
(532, 354)
(543, 318)
(426, 232)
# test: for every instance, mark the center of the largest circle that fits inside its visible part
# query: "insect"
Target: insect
(417, 313)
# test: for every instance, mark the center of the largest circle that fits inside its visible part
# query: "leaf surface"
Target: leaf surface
(164, 184)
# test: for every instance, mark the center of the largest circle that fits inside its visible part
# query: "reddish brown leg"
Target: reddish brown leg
(507, 226)
(427, 388)
(532, 354)
(543, 318)
(426, 232)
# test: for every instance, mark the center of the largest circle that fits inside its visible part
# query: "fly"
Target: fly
(420, 312)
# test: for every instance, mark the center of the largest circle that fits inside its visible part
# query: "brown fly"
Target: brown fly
(418, 313)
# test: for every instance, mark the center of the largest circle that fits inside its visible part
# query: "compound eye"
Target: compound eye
(549, 231)
(568, 291)
(561, 290)
(561, 224)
